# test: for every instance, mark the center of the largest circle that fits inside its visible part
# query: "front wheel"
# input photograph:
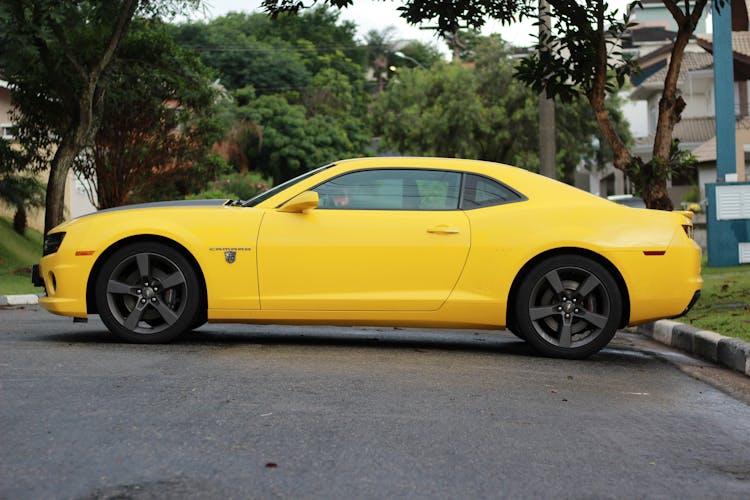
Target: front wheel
(568, 306)
(148, 292)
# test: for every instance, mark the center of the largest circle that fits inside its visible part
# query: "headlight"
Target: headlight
(52, 243)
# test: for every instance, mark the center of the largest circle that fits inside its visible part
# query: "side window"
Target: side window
(483, 192)
(391, 189)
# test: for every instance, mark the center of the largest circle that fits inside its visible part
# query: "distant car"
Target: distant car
(628, 200)
(426, 242)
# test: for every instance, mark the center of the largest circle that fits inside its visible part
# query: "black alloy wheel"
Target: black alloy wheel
(148, 292)
(568, 306)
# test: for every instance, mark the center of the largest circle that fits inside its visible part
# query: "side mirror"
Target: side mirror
(301, 203)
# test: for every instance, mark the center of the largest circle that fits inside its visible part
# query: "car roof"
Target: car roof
(531, 185)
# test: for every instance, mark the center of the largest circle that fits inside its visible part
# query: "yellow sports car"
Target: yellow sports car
(429, 242)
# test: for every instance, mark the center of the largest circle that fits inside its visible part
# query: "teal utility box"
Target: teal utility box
(728, 223)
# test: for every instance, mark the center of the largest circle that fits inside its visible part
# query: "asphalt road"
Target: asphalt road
(242, 411)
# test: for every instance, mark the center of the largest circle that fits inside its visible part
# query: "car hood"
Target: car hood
(162, 204)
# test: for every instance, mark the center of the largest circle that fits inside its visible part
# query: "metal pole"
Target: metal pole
(724, 91)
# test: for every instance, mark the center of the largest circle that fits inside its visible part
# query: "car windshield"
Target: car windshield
(277, 189)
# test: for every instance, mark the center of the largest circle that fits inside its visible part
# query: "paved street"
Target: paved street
(245, 411)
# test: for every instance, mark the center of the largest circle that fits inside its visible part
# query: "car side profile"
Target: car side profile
(428, 242)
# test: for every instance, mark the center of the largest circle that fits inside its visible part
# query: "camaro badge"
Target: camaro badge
(230, 254)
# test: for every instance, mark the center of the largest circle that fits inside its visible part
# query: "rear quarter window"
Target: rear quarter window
(482, 191)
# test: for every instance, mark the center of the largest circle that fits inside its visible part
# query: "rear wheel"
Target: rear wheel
(148, 292)
(568, 307)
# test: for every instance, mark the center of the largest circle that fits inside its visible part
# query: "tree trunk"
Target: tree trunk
(58, 175)
(84, 126)
(670, 104)
(19, 219)
(655, 194)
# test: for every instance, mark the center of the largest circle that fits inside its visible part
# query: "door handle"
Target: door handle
(443, 229)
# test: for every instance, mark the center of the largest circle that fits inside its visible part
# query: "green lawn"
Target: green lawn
(724, 306)
(17, 254)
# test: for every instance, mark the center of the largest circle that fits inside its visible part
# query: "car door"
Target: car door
(380, 240)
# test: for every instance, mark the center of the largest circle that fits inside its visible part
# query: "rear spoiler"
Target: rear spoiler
(687, 213)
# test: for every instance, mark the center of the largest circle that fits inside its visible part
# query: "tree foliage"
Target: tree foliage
(156, 132)
(276, 55)
(578, 58)
(481, 112)
(293, 112)
(294, 141)
(581, 57)
(56, 56)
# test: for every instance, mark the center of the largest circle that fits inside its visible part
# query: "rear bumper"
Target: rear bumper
(696, 296)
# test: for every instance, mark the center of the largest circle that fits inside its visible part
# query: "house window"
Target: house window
(7, 131)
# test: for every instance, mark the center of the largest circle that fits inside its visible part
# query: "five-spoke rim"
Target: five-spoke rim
(146, 293)
(569, 307)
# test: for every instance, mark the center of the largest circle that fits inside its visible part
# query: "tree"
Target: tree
(294, 142)
(278, 55)
(425, 54)
(478, 111)
(277, 126)
(55, 57)
(230, 46)
(380, 48)
(160, 130)
(580, 57)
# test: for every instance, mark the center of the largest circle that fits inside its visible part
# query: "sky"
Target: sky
(378, 15)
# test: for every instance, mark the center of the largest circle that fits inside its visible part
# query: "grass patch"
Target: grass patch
(17, 254)
(724, 306)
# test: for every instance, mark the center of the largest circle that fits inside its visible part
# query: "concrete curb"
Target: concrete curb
(19, 300)
(727, 351)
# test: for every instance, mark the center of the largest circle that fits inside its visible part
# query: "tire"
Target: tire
(568, 306)
(515, 331)
(148, 293)
(200, 320)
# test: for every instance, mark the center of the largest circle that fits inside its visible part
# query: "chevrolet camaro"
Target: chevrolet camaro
(428, 242)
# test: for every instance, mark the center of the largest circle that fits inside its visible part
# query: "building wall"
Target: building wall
(76, 201)
(657, 14)
(4, 109)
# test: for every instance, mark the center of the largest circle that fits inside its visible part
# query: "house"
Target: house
(696, 130)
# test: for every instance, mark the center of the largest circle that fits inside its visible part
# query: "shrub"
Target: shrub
(234, 186)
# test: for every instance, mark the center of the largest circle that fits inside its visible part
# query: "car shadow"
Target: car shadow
(232, 335)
